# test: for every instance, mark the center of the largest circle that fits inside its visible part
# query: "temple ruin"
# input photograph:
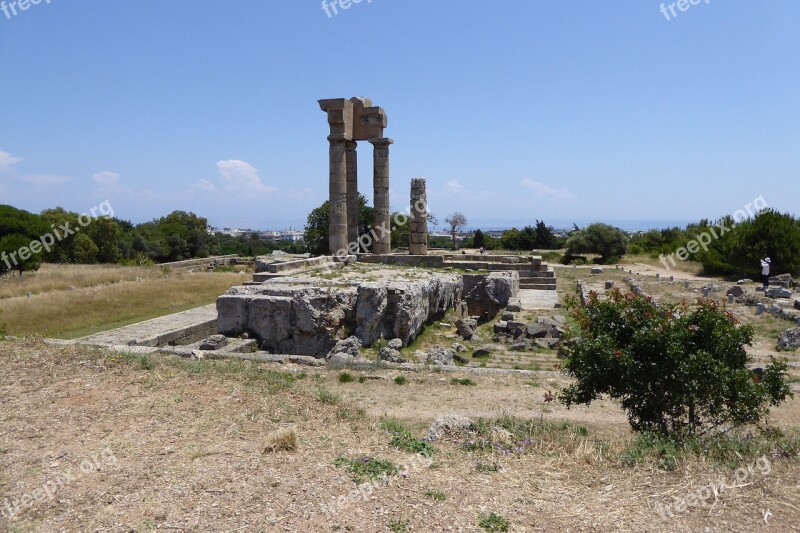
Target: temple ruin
(351, 121)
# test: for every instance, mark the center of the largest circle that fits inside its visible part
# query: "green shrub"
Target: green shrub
(400, 380)
(676, 370)
(493, 522)
(607, 241)
(462, 381)
(346, 377)
(362, 379)
(380, 343)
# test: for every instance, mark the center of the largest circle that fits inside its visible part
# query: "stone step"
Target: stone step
(536, 274)
(545, 286)
(265, 276)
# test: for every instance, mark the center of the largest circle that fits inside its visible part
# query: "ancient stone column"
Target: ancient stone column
(382, 224)
(337, 208)
(418, 221)
(352, 191)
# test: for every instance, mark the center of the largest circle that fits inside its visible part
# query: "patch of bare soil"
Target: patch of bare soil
(93, 441)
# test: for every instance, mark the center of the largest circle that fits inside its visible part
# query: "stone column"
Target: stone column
(382, 225)
(352, 191)
(337, 208)
(418, 222)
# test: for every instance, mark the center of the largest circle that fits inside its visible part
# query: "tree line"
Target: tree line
(60, 236)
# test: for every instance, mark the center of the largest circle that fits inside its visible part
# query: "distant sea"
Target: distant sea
(626, 225)
(495, 225)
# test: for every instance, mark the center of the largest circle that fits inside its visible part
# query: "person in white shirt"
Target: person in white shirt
(765, 264)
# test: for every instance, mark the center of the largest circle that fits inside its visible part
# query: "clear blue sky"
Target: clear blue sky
(514, 110)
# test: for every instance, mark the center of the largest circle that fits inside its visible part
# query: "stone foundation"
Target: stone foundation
(307, 317)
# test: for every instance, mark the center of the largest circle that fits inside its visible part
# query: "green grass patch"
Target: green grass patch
(404, 440)
(462, 381)
(492, 522)
(400, 380)
(436, 495)
(729, 450)
(346, 377)
(366, 468)
(399, 526)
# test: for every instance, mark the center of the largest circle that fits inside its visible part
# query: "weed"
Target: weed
(327, 397)
(525, 436)
(145, 363)
(380, 343)
(489, 468)
(400, 380)
(398, 526)
(727, 450)
(436, 495)
(366, 468)
(350, 413)
(346, 377)
(362, 379)
(492, 522)
(462, 381)
(403, 440)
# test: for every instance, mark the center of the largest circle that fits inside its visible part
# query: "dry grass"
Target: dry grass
(75, 313)
(188, 438)
(52, 278)
(284, 440)
(689, 267)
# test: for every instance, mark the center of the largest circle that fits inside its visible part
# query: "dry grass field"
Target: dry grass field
(125, 443)
(99, 441)
(69, 301)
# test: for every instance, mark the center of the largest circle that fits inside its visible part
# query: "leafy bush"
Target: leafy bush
(400, 380)
(676, 370)
(346, 377)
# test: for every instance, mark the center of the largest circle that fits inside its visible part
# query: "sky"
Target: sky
(628, 111)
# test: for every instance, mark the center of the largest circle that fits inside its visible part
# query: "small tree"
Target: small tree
(17, 255)
(478, 240)
(607, 241)
(456, 221)
(676, 370)
(318, 224)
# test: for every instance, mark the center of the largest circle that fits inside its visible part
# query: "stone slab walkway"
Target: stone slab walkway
(171, 329)
(537, 299)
